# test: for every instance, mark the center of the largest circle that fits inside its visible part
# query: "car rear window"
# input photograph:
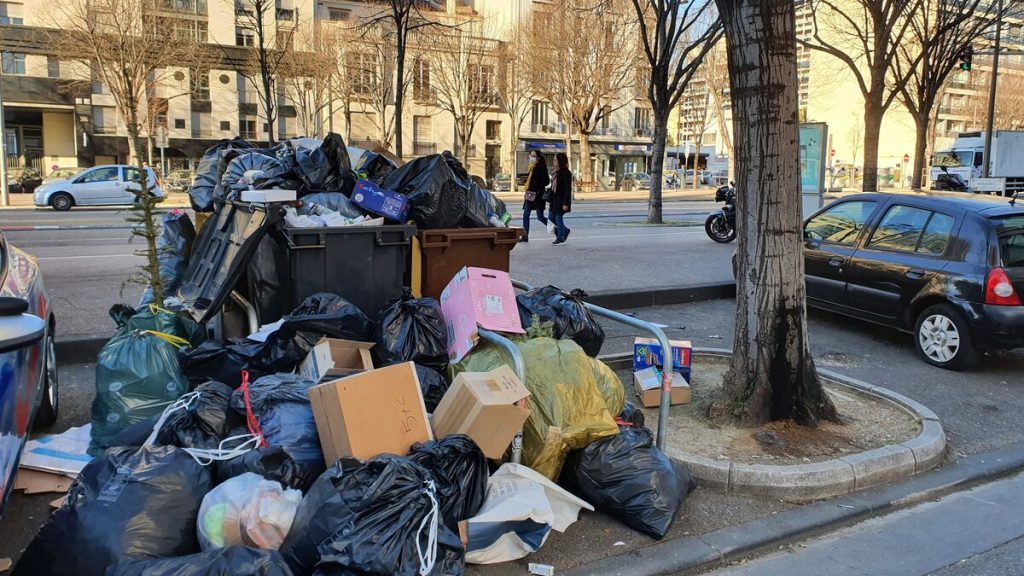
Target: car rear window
(1011, 242)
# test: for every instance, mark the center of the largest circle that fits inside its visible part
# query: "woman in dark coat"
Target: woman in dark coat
(561, 197)
(533, 200)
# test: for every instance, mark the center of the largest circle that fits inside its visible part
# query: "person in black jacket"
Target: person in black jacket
(533, 200)
(561, 197)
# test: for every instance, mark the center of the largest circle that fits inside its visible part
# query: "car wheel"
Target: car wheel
(47, 414)
(943, 338)
(62, 202)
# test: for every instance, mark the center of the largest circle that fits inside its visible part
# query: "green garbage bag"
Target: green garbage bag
(572, 398)
(137, 372)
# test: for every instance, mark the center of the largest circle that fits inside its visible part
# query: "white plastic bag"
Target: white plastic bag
(247, 510)
(551, 226)
(522, 507)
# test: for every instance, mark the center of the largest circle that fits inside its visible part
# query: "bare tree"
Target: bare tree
(398, 21)
(516, 90)
(343, 76)
(128, 50)
(940, 31)
(269, 43)
(675, 35)
(308, 77)
(555, 82)
(866, 36)
(1009, 100)
(715, 72)
(772, 375)
(698, 116)
(465, 85)
(373, 79)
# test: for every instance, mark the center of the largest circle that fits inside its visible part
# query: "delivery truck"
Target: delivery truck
(965, 157)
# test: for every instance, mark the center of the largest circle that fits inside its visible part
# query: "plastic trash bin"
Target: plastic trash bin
(365, 265)
(442, 253)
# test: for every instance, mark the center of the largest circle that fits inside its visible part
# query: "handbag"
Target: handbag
(547, 194)
(530, 196)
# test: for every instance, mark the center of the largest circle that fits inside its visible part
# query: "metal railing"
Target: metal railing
(423, 148)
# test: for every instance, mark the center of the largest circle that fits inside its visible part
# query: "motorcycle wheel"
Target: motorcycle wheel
(719, 230)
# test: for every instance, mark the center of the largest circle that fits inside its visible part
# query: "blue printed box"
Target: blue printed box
(381, 201)
(647, 353)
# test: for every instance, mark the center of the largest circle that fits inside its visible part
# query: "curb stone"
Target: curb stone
(695, 554)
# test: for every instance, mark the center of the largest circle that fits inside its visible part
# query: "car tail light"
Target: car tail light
(999, 290)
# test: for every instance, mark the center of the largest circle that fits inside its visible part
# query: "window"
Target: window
(247, 128)
(840, 224)
(104, 119)
(52, 67)
(900, 229)
(936, 235)
(1011, 243)
(108, 174)
(539, 115)
(642, 121)
(202, 124)
(244, 37)
(494, 129)
(285, 15)
(363, 66)
(10, 14)
(481, 82)
(338, 14)
(421, 80)
(199, 84)
(225, 125)
(179, 123)
(284, 40)
(132, 174)
(188, 29)
(14, 63)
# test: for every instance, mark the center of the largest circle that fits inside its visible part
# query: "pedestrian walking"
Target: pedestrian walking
(533, 200)
(561, 197)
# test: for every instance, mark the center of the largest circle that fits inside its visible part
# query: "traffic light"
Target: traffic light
(965, 57)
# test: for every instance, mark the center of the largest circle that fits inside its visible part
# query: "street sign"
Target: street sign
(988, 185)
(161, 137)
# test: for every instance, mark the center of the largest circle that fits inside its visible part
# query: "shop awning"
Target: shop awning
(620, 149)
(545, 145)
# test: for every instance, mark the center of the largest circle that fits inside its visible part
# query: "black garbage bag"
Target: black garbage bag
(438, 189)
(365, 518)
(271, 462)
(271, 171)
(628, 477)
(374, 167)
(218, 361)
(204, 190)
(570, 317)
(280, 406)
(324, 166)
(128, 503)
(412, 330)
(319, 315)
(174, 248)
(433, 385)
(460, 475)
(136, 434)
(230, 561)
(482, 206)
(206, 420)
(335, 201)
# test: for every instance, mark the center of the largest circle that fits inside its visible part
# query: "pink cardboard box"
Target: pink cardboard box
(478, 298)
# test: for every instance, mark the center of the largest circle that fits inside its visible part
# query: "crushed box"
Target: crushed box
(375, 412)
(380, 201)
(478, 298)
(648, 387)
(647, 353)
(489, 407)
(333, 358)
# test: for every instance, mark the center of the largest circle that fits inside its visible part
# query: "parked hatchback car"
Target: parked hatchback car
(949, 268)
(98, 186)
(61, 174)
(636, 181)
(502, 182)
(23, 180)
(28, 367)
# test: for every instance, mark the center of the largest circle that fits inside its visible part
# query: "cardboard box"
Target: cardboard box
(381, 201)
(647, 353)
(333, 358)
(489, 407)
(648, 387)
(267, 196)
(478, 298)
(375, 412)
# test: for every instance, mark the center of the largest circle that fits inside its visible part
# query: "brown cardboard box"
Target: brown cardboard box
(648, 387)
(333, 358)
(375, 412)
(489, 407)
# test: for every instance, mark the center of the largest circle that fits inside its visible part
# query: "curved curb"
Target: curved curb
(818, 480)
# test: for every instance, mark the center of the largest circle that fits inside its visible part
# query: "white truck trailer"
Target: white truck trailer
(965, 157)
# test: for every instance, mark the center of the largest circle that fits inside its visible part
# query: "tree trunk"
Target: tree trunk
(920, 148)
(696, 162)
(654, 205)
(872, 131)
(772, 375)
(514, 186)
(586, 166)
(399, 95)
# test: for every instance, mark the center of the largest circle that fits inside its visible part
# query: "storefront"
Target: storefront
(619, 159)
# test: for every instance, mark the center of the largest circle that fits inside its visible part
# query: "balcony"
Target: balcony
(202, 133)
(553, 128)
(424, 95)
(197, 7)
(247, 135)
(643, 132)
(606, 131)
(424, 148)
(104, 130)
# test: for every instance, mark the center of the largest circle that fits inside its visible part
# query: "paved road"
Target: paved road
(85, 268)
(974, 532)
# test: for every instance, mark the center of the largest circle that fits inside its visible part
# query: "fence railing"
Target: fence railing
(423, 148)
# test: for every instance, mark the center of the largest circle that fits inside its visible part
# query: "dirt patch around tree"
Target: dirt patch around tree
(869, 423)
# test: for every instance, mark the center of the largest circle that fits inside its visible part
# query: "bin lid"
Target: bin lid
(226, 243)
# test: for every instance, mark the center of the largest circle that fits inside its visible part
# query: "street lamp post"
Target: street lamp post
(987, 155)
(5, 197)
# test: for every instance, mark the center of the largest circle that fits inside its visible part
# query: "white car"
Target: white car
(99, 186)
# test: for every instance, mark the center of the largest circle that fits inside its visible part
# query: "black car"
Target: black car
(947, 267)
(24, 180)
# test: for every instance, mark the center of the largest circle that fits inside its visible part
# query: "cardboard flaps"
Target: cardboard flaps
(489, 407)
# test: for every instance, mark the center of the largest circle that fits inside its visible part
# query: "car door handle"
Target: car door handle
(835, 261)
(915, 273)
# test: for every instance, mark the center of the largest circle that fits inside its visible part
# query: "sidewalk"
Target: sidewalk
(704, 193)
(24, 201)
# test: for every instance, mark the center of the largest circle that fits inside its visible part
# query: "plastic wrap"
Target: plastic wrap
(174, 248)
(569, 316)
(247, 510)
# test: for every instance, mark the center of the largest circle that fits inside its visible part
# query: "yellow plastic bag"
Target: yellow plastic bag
(569, 401)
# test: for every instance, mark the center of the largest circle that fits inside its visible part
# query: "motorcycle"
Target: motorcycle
(721, 226)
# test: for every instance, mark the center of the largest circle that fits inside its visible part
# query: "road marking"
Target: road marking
(92, 256)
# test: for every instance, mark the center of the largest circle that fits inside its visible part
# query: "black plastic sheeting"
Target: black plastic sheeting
(125, 504)
(628, 477)
(206, 421)
(460, 474)
(271, 171)
(433, 385)
(218, 361)
(230, 561)
(206, 187)
(570, 317)
(412, 330)
(438, 189)
(323, 165)
(374, 167)
(174, 247)
(271, 462)
(280, 403)
(364, 518)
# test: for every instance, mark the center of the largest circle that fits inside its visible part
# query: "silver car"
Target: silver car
(98, 186)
